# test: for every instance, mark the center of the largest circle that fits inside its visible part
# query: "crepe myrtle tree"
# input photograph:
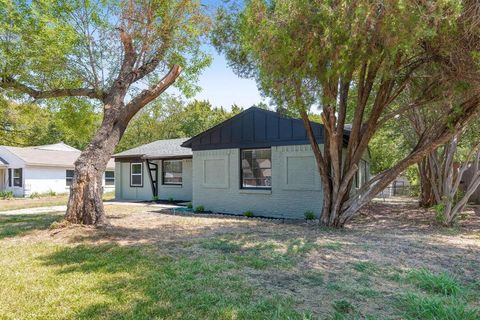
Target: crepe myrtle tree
(122, 54)
(354, 59)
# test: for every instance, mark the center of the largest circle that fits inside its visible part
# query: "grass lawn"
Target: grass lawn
(43, 201)
(390, 264)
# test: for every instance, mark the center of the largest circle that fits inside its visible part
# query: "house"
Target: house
(258, 161)
(42, 169)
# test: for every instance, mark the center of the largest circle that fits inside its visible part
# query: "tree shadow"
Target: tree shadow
(139, 283)
(18, 225)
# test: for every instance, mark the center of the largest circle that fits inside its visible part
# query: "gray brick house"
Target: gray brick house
(257, 161)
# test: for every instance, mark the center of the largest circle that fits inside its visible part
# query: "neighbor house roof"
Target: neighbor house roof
(160, 149)
(3, 162)
(49, 155)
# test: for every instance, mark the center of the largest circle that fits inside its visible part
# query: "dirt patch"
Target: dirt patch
(314, 266)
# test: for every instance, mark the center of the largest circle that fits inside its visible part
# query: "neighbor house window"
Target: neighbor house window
(109, 178)
(172, 172)
(9, 177)
(69, 178)
(136, 174)
(256, 168)
(17, 177)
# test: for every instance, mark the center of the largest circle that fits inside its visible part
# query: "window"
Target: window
(136, 174)
(69, 177)
(172, 172)
(256, 168)
(17, 177)
(109, 178)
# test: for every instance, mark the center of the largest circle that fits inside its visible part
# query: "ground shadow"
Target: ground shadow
(18, 225)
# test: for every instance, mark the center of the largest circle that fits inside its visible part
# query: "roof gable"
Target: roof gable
(255, 128)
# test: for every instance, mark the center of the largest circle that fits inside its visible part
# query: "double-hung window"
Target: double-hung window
(172, 172)
(17, 177)
(109, 178)
(69, 177)
(256, 168)
(136, 174)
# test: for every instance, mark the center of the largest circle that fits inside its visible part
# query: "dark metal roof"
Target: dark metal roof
(255, 128)
(160, 149)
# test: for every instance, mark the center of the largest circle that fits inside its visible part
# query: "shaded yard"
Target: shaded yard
(391, 263)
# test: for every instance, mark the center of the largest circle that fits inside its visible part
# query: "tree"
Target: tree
(354, 59)
(120, 54)
(169, 117)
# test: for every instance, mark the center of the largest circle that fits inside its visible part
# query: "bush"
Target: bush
(248, 214)
(155, 198)
(6, 195)
(170, 199)
(199, 209)
(309, 215)
(34, 195)
(51, 193)
(189, 205)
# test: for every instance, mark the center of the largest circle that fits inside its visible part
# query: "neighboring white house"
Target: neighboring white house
(257, 161)
(42, 169)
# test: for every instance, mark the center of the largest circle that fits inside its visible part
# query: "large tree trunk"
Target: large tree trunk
(427, 196)
(85, 205)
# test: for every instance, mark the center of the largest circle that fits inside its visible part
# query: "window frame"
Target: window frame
(67, 178)
(241, 170)
(20, 177)
(109, 179)
(136, 174)
(163, 173)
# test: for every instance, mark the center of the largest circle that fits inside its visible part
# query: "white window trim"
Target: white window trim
(136, 174)
(105, 177)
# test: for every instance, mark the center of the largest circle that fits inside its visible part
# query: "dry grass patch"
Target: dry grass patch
(156, 264)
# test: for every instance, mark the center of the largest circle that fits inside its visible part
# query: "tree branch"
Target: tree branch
(10, 83)
(153, 92)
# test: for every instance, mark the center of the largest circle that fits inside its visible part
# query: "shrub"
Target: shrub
(51, 193)
(199, 209)
(189, 205)
(6, 195)
(248, 214)
(155, 198)
(309, 215)
(170, 199)
(34, 195)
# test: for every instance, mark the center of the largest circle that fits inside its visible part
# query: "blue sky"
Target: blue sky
(219, 84)
(223, 88)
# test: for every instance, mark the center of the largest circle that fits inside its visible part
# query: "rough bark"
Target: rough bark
(427, 197)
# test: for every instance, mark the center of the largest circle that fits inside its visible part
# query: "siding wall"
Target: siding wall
(296, 185)
(123, 190)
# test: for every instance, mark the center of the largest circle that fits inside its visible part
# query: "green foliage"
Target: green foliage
(170, 199)
(169, 117)
(417, 306)
(199, 209)
(34, 195)
(248, 214)
(309, 215)
(189, 205)
(155, 198)
(343, 306)
(5, 195)
(442, 283)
